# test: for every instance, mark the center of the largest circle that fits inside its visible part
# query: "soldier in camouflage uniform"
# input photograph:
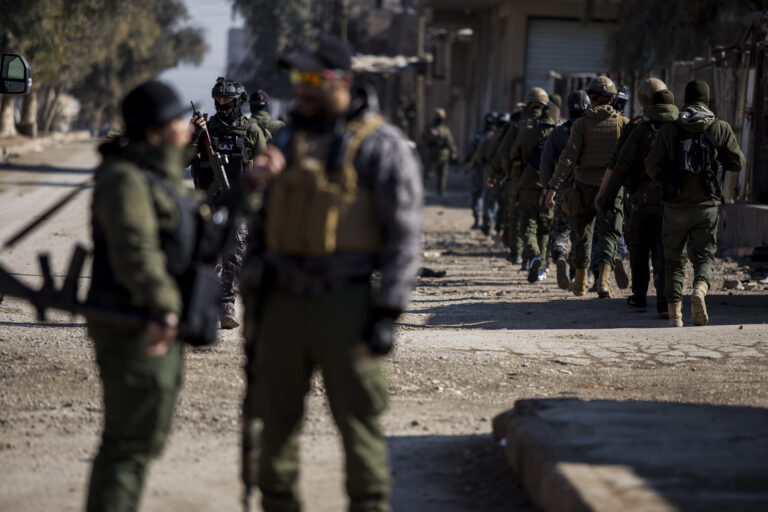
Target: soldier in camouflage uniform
(688, 158)
(260, 112)
(237, 138)
(591, 143)
(645, 208)
(502, 168)
(439, 151)
(347, 203)
(560, 238)
(485, 154)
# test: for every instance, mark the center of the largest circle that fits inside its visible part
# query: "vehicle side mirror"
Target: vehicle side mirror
(16, 77)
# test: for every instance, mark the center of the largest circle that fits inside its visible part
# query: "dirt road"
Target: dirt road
(472, 343)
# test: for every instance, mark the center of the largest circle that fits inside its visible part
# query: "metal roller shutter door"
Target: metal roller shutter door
(562, 45)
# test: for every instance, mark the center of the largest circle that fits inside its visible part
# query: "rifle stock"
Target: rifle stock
(214, 160)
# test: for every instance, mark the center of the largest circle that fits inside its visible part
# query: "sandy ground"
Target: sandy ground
(472, 343)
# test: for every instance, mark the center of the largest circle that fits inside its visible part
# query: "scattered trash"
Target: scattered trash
(733, 284)
(567, 372)
(432, 254)
(428, 272)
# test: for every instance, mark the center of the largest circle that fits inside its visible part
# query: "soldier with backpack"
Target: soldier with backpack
(688, 159)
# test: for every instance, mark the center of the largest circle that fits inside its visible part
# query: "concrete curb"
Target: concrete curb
(609, 456)
(20, 145)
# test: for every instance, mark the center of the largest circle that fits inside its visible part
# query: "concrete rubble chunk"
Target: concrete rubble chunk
(608, 456)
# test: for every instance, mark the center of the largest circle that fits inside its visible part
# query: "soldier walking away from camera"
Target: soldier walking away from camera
(237, 139)
(689, 158)
(535, 217)
(560, 237)
(590, 145)
(646, 210)
(476, 164)
(439, 151)
(502, 166)
(492, 186)
(140, 241)
(259, 104)
(347, 203)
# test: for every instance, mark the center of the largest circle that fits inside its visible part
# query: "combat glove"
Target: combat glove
(378, 334)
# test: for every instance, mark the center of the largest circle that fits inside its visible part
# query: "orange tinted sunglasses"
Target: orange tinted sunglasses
(314, 78)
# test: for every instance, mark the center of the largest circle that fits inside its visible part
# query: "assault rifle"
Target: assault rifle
(212, 161)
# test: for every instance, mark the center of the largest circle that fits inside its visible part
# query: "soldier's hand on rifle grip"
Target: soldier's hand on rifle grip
(264, 167)
(161, 335)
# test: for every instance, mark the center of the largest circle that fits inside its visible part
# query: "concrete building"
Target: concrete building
(488, 53)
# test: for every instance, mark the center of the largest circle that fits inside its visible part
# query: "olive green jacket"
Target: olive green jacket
(625, 131)
(502, 160)
(663, 154)
(269, 125)
(629, 167)
(524, 175)
(131, 211)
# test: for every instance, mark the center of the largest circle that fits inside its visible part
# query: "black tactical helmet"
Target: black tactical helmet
(491, 118)
(229, 89)
(504, 117)
(621, 99)
(259, 101)
(578, 103)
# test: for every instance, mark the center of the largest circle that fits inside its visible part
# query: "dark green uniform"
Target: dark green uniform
(591, 143)
(691, 218)
(327, 225)
(535, 218)
(439, 147)
(130, 213)
(645, 207)
(504, 165)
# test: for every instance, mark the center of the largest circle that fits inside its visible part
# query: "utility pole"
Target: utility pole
(341, 18)
(422, 70)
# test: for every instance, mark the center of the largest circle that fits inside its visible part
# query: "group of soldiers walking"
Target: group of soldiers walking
(334, 196)
(568, 192)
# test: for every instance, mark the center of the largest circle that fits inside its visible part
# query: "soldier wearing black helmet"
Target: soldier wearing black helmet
(559, 242)
(591, 143)
(260, 112)
(238, 139)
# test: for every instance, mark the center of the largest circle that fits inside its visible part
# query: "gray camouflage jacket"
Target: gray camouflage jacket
(390, 168)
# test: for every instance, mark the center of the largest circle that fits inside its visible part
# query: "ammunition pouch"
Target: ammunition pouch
(315, 210)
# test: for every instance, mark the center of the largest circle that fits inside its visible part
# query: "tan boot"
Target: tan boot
(227, 316)
(603, 283)
(698, 306)
(579, 286)
(675, 314)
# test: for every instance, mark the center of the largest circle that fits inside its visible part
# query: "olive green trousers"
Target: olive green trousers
(695, 228)
(140, 395)
(296, 335)
(536, 223)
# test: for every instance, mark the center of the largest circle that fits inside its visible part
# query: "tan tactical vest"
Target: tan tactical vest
(600, 139)
(314, 211)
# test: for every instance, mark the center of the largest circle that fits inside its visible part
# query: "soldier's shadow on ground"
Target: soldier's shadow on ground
(441, 473)
(582, 313)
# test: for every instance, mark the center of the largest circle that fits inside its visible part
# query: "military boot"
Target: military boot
(562, 274)
(579, 286)
(603, 284)
(227, 317)
(698, 306)
(620, 273)
(675, 314)
(533, 270)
